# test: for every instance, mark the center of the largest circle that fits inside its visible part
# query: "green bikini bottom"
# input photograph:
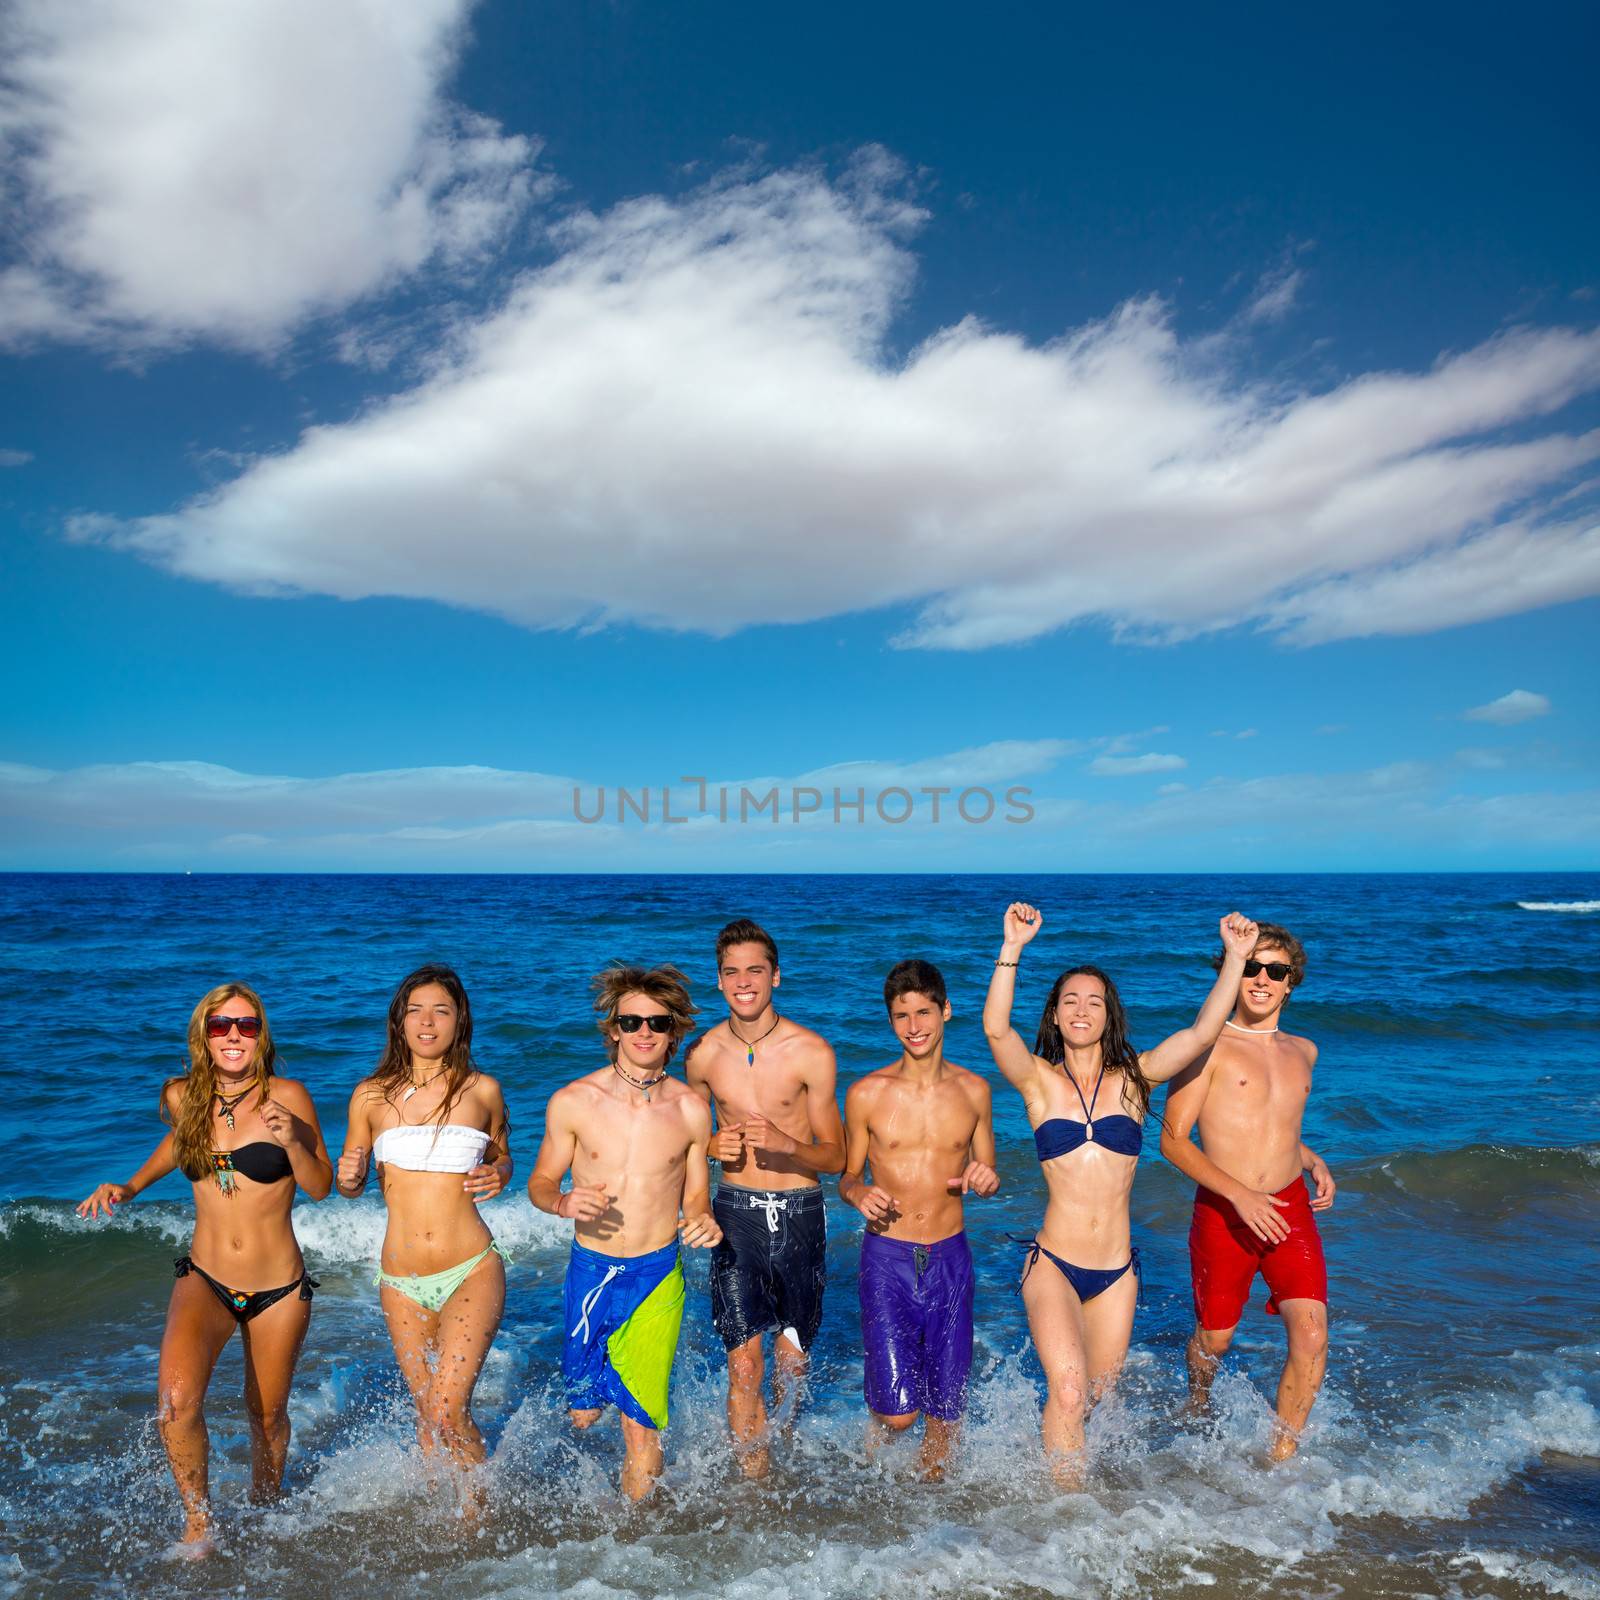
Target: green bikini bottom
(431, 1290)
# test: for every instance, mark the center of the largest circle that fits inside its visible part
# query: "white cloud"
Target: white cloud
(190, 170)
(15, 458)
(689, 420)
(1134, 766)
(1520, 705)
(1274, 295)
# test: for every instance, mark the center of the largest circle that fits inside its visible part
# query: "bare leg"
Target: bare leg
(586, 1418)
(1055, 1318)
(466, 1327)
(880, 1427)
(747, 1412)
(1107, 1329)
(641, 1464)
(938, 1439)
(1306, 1323)
(272, 1344)
(1204, 1354)
(789, 1366)
(414, 1333)
(198, 1327)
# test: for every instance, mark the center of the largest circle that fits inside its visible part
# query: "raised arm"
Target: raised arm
(1259, 1212)
(825, 1152)
(493, 1173)
(354, 1159)
(697, 1227)
(583, 1202)
(1014, 1059)
(291, 1119)
(1175, 1052)
(108, 1196)
(875, 1204)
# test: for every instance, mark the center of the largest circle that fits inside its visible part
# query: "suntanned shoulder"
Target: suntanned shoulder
(291, 1090)
(975, 1084)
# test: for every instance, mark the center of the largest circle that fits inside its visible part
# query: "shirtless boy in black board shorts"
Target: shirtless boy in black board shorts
(771, 1083)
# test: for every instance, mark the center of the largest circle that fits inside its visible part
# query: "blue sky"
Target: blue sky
(410, 417)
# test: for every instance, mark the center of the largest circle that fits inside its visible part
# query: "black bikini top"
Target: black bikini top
(261, 1162)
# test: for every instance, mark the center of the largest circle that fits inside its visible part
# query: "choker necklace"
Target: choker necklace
(412, 1088)
(750, 1044)
(643, 1085)
(1237, 1029)
(225, 1104)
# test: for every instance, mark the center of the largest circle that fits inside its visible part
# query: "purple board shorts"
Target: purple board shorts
(916, 1324)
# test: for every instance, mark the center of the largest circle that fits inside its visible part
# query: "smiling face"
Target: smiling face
(1081, 1010)
(233, 1055)
(1262, 995)
(918, 1021)
(430, 1021)
(643, 1053)
(747, 978)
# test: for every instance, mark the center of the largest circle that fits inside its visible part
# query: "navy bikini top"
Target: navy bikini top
(1060, 1136)
(261, 1162)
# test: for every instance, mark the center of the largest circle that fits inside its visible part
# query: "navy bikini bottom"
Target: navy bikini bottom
(1087, 1282)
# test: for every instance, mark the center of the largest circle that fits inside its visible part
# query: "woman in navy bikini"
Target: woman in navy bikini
(436, 1128)
(1087, 1093)
(246, 1139)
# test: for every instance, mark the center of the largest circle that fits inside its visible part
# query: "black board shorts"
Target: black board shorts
(771, 1267)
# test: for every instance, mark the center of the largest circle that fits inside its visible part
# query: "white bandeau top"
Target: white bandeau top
(431, 1147)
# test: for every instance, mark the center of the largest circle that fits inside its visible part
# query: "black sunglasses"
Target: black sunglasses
(629, 1023)
(218, 1027)
(1276, 970)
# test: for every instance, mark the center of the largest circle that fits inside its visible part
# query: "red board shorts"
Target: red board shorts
(1225, 1256)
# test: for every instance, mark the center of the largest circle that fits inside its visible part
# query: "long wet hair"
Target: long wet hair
(191, 1122)
(1116, 1051)
(393, 1071)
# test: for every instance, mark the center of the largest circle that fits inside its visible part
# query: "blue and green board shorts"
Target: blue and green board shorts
(623, 1314)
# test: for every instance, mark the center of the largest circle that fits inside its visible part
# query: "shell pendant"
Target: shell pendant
(1088, 1130)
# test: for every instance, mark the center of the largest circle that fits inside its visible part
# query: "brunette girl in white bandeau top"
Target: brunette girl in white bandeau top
(436, 1129)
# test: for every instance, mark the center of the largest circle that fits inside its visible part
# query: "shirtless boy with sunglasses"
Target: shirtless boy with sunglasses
(1252, 1212)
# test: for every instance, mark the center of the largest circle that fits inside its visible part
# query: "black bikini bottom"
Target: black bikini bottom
(245, 1306)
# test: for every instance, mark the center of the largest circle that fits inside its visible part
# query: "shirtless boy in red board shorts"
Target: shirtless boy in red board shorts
(1252, 1212)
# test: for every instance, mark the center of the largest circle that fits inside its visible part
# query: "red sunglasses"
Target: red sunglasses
(220, 1027)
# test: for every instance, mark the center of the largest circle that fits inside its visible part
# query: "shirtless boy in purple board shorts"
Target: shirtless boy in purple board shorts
(924, 1124)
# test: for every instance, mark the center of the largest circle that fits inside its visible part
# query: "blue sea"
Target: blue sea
(1455, 1450)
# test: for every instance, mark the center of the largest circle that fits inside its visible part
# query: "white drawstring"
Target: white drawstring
(772, 1205)
(589, 1302)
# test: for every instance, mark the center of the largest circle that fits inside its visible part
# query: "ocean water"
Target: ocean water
(1455, 1451)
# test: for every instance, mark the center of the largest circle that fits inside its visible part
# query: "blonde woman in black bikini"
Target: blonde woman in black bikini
(436, 1129)
(246, 1139)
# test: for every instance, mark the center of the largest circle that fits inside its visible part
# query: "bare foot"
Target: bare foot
(1285, 1441)
(1067, 1468)
(755, 1460)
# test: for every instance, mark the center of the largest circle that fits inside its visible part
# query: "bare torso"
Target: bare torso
(919, 1138)
(637, 1150)
(774, 1086)
(1254, 1104)
(433, 1222)
(1086, 1215)
(245, 1239)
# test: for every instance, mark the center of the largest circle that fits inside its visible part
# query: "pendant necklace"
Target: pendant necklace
(412, 1088)
(643, 1085)
(1239, 1029)
(225, 1105)
(750, 1044)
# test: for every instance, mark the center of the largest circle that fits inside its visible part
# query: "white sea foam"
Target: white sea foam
(1581, 907)
(1552, 1577)
(335, 1233)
